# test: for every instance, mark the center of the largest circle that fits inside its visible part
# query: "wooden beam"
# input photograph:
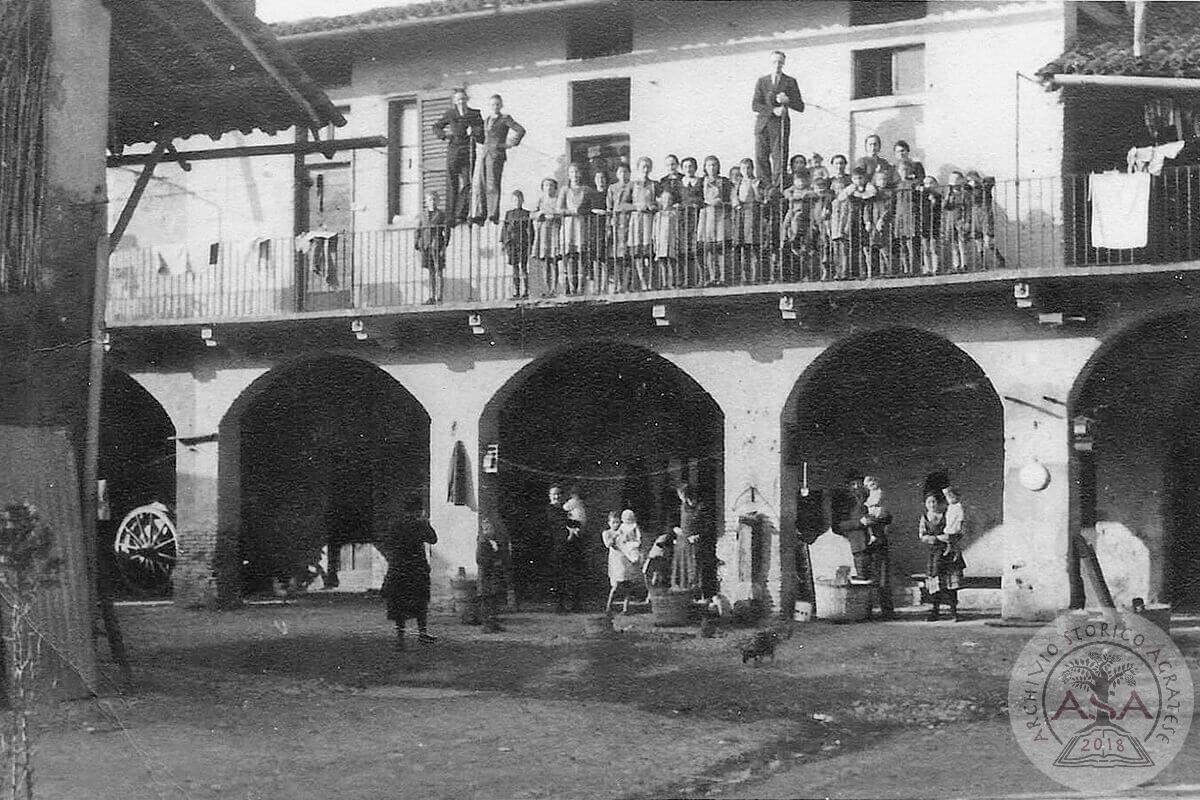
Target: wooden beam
(290, 148)
(139, 188)
(266, 63)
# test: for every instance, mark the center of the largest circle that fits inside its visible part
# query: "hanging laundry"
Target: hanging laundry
(1120, 209)
(320, 250)
(1152, 159)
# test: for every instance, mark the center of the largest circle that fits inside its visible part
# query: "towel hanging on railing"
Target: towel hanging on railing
(1120, 209)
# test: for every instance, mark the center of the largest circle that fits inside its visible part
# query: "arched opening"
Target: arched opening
(1137, 459)
(137, 466)
(909, 408)
(620, 422)
(326, 450)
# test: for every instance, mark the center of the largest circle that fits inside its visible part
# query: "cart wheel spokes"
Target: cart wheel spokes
(145, 544)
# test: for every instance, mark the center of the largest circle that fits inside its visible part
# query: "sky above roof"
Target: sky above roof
(290, 10)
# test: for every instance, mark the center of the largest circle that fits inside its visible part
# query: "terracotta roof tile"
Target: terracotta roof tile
(1172, 47)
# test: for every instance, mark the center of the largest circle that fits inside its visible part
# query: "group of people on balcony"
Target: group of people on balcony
(685, 229)
(693, 226)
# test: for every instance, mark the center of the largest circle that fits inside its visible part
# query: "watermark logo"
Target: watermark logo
(1100, 704)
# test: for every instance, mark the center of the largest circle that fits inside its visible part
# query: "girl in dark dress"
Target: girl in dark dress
(406, 584)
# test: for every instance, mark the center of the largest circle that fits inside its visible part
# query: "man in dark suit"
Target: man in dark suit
(500, 132)
(461, 128)
(774, 95)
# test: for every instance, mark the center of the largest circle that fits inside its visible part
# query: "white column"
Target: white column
(1036, 431)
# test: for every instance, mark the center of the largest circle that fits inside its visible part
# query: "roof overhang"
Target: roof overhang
(413, 15)
(1126, 82)
(184, 67)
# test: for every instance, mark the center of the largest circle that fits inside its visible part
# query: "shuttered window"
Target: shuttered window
(416, 156)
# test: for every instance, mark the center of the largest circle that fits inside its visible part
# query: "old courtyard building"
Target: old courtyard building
(267, 315)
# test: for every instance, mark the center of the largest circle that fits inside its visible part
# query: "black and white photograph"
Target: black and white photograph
(589, 399)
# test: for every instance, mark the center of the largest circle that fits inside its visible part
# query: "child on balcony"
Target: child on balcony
(981, 220)
(713, 229)
(928, 201)
(574, 207)
(904, 216)
(956, 219)
(747, 221)
(433, 235)
(598, 234)
(879, 226)
(819, 231)
(666, 239)
(691, 200)
(859, 196)
(643, 196)
(797, 223)
(516, 237)
(547, 239)
(618, 207)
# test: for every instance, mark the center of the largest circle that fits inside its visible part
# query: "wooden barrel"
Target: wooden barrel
(671, 610)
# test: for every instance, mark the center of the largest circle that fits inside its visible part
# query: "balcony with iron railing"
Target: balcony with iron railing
(1042, 228)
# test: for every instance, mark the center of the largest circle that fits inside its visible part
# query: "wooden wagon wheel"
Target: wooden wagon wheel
(145, 545)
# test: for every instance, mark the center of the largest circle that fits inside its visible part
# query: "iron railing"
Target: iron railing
(1036, 224)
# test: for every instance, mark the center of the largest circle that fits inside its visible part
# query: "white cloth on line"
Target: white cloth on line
(1120, 209)
(1152, 159)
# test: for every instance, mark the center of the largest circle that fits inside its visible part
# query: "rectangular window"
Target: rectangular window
(877, 12)
(594, 102)
(600, 154)
(888, 71)
(404, 159)
(599, 32)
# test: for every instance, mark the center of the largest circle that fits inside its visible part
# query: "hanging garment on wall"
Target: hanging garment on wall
(1152, 159)
(1120, 209)
(458, 490)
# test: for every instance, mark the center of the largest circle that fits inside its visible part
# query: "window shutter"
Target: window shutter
(433, 149)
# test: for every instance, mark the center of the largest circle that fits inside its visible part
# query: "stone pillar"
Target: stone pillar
(751, 392)
(455, 401)
(1037, 523)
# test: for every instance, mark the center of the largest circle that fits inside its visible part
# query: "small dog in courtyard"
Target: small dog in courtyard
(761, 644)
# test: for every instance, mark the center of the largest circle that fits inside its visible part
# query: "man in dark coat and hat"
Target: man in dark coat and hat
(406, 584)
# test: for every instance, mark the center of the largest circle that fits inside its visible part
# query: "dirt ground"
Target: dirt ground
(309, 700)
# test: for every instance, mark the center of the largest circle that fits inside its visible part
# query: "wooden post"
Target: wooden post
(114, 238)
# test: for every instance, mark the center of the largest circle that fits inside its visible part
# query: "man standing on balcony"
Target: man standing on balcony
(500, 133)
(774, 95)
(461, 127)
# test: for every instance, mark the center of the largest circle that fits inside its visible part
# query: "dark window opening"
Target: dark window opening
(604, 31)
(877, 12)
(889, 71)
(594, 102)
(600, 154)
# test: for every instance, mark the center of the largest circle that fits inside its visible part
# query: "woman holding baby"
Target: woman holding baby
(941, 528)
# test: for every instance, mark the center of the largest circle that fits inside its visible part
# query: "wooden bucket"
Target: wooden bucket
(671, 610)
